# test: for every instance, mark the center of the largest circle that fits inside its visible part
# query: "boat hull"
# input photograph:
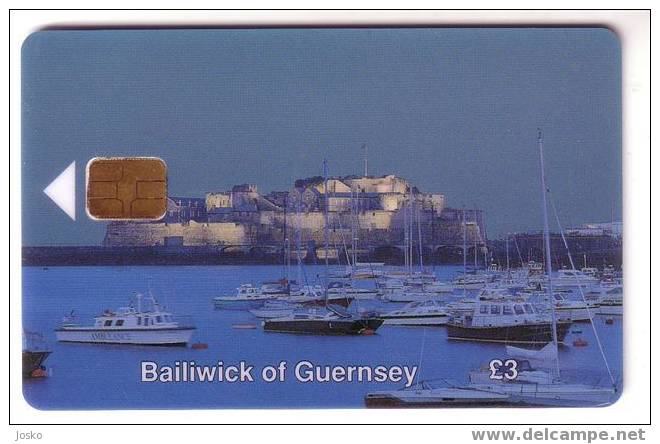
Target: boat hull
(169, 336)
(453, 397)
(271, 314)
(33, 360)
(522, 333)
(323, 326)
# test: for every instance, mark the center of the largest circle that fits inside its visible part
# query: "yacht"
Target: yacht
(505, 321)
(315, 295)
(435, 393)
(275, 309)
(346, 289)
(569, 278)
(247, 296)
(576, 311)
(425, 313)
(608, 299)
(532, 387)
(473, 281)
(409, 294)
(128, 325)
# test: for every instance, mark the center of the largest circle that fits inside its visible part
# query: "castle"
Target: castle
(370, 211)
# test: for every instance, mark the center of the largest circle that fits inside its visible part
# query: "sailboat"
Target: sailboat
(534, 385)
(331, 319)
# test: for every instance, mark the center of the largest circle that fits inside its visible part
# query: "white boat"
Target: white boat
(315, 295)
(538, 387)
(343, 289)
(408, 294)
(606, 299)
(247, 296)
(428, 312)
(473, 281)
(128, 325)
(576, 311)
(275, 309)
(436, 393)
(570, 278)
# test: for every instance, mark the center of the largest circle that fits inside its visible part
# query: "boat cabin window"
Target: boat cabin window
(529, 309)
(483, 309)
(119, 322)
(107, 323)
(519, 310)
(495, 309)
(146, 320)
(506, 309)
(159, 319)
(139, 320)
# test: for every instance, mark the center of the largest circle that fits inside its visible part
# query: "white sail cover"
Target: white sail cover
(546, 354)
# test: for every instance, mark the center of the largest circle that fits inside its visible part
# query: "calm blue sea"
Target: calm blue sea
(86, 376)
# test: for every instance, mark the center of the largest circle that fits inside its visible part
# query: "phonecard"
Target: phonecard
(321, 218)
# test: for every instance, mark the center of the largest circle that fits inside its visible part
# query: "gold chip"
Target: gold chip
(126, 188)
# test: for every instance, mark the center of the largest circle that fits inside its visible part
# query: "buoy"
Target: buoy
(244, 326)
(609, 321)
(579, 342)
(368, 332)
(38, 373)
(199, 346)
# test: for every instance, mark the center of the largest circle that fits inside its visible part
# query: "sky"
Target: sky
(455, 111)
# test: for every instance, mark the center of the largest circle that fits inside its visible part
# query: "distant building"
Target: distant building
(377, 209)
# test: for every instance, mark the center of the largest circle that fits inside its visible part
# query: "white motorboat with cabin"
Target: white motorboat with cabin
(129, 325)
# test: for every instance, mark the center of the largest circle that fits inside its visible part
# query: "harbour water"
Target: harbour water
(86, 376)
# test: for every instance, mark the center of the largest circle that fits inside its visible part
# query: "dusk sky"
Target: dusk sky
(455, 111)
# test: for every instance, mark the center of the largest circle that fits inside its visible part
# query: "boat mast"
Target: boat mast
(285, 239)
(508, 264)
(475, 240)
(326, 241)
(419, 238)
(548, 257)
(464, 250)
(410, 232)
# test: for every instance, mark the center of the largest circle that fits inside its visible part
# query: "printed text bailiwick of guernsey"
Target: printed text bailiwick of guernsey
(303, 371)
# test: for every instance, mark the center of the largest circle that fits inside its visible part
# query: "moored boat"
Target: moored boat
(332, 321)
(35, 352)
(505, 321)
(425, 313)
(247, 296)
(129, 326)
